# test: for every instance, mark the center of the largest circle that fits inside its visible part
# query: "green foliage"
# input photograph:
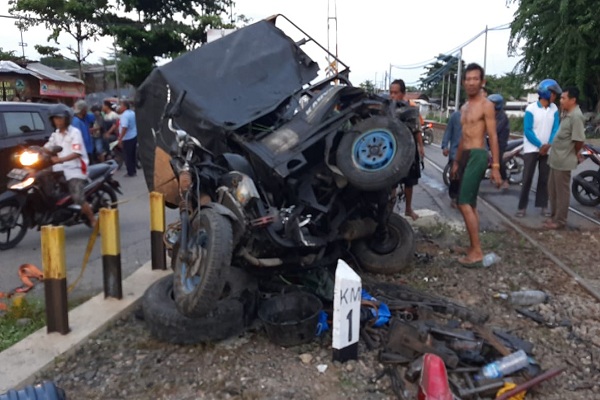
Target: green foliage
(439, 75)
(11, 331)
(559, 39)
(8, 55)
(511, 86)
(516, 124)
(368, 86)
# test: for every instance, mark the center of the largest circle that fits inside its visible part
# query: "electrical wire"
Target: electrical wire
(454, 50)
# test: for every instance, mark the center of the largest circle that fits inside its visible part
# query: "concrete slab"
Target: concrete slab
(20, 363)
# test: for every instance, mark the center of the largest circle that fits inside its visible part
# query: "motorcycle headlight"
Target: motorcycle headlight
(23, 185)
(28, 158)
(246, 190)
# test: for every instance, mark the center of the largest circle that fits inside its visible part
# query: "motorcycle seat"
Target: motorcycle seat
(513, 143)
(97, 170)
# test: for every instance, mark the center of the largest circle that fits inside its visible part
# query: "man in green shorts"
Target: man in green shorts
(477, 118)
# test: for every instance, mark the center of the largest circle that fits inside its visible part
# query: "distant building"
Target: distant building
(38, 83)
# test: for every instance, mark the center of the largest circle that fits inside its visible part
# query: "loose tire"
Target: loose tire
(196, 293)
(376, 154)
(167, 324)
(13, 224)
(583, 196)
(514, 169)
(398, 259)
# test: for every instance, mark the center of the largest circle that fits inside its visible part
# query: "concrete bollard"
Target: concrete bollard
(55, 279)
(157, 230)
(111, 253)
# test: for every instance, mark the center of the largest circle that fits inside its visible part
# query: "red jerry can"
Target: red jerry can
(433, 384)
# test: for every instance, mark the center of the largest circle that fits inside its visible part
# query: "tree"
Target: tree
(77, 18)
(511, 85)
(558, 39)
(164, 29)
(8, 55)
(368, 86)
(440, 74)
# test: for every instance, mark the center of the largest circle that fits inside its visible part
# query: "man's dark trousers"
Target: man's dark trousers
(130, 150)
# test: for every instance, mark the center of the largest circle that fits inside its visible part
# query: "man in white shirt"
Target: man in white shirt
(72, 160)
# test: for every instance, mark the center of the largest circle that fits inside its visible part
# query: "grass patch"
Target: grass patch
(21, 321)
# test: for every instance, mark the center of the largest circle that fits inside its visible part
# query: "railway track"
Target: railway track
(519, 230)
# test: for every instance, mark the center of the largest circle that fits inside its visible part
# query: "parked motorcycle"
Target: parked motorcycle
(586, 185)
(512, 159)
(38, 196)
(427, 133)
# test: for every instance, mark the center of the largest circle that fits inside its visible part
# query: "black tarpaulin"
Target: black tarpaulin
(229, 83)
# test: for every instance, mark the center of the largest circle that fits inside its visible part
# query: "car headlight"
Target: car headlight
(28, 158)
(23, 185)
(246, 190)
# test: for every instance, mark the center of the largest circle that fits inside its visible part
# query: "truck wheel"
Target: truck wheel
(167, 324)
(376, 154)
(396, 260)
(199, 285)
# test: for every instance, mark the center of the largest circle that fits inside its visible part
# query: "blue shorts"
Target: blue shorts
(100, 145)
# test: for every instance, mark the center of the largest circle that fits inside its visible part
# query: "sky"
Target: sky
(371, 34)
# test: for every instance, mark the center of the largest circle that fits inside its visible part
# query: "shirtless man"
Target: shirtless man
(477, 118)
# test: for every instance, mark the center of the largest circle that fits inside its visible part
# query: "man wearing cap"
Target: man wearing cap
(81, 122)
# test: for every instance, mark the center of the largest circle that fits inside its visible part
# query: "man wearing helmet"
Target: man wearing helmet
(540, 125)
(72, 160)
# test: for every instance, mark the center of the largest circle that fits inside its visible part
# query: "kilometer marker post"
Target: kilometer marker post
(346, 313)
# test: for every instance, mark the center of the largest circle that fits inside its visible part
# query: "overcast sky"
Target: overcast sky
(371, 34)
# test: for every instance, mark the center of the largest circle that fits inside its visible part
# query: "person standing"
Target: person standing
(540, 125)
(477, 118)
(502, 131)
(128, 136)
(397, 93)
(81, 121)
(564, 158)
(450, 141)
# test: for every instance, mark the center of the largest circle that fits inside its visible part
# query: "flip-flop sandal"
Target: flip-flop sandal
(471, 265)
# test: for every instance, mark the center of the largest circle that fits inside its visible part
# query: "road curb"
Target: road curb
(20, 363)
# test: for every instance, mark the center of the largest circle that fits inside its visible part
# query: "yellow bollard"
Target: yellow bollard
(157, 230)
(55, 279)
(111, 253)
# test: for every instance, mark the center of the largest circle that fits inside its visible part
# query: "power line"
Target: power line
(454, 50)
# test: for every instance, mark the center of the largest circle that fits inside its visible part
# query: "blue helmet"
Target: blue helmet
(498, 101)
(547, 87)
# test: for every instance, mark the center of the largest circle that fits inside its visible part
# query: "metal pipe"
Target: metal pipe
(551, 373)
(458, 80)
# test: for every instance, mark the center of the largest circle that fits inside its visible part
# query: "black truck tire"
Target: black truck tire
(376, 154)
(395, 261)
(167, 324)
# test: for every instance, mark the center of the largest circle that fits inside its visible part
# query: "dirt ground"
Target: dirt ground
(124, 362)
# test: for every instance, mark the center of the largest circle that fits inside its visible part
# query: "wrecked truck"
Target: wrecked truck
(270, 167)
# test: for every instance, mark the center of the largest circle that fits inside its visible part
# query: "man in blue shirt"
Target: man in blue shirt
(128, 136)
(450, 142)
(81, 122)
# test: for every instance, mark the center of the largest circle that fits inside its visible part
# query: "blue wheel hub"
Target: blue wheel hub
(191, 277)
(374, 150)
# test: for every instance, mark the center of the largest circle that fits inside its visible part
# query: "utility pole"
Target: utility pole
(442, 96)
(485, 49)
(116, 68)
(458, 80)
(22, 43)
(390, 77)
(333, 67)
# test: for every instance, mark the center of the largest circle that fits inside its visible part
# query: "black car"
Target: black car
(21, 125)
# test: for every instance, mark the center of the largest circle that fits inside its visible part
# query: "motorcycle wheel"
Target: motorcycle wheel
(446, 174)
(514, 169)
(428, 136)
(583, 196)
(376, 154)
(13, 224)
(395, 261)
(198, 286)
(104, 197)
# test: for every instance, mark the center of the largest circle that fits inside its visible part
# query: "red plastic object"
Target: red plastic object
(433, 384)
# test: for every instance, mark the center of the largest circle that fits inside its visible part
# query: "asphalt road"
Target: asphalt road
(134, 220)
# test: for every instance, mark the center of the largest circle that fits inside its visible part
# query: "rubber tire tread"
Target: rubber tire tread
(394, 172)
(217, 260)
(167, 324)
(22, 233)
(393, 262)
(574, 189)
